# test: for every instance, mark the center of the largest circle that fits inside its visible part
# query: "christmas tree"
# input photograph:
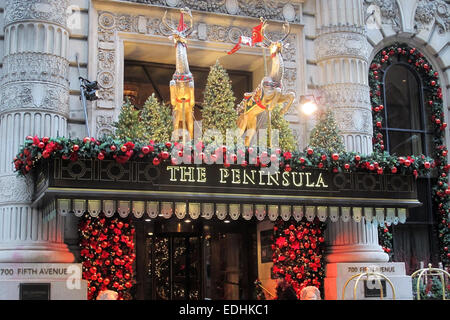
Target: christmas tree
(286, 137)
(326, 134)
(218, 107)
(129, 126)
(156, 118)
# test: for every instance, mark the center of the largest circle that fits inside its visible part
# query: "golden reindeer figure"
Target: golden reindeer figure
(269, 92)
(182, 84)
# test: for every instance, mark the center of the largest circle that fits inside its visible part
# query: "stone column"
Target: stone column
(34, 101)
(342, 54)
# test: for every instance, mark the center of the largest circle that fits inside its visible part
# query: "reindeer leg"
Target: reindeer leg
(251, 130)
(289, 97)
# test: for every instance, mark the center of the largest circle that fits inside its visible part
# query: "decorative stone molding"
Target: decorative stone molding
(341, 44)
(274, 10)
(49, 11)
(429, 11)
(35, 97)
(387, 9)
(35, 67)
(426, 15)
(348, 95)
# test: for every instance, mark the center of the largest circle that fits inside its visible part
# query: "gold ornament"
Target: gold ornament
(182, 96)
(269, 92)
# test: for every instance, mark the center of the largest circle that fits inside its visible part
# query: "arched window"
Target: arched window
(407, 130)
(405, 126)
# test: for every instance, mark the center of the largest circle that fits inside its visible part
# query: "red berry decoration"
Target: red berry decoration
(156, 161)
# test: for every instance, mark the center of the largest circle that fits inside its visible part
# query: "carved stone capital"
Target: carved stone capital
(54, 11)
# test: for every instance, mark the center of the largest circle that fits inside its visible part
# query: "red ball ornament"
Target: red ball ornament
(101, 156)
(164, 155)
(394, 170)
(287, 168)
(335, 157)
(309, 151)
(145, 150)
(113, 148)
(357, 158)
(123, 149)
(156, 161)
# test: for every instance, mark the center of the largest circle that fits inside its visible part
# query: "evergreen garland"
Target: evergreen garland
(326, 134)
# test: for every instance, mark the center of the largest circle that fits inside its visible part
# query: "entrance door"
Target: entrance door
(174, 266)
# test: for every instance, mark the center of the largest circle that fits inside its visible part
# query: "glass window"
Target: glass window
(406, 122)
(408, 131)
(141, 79)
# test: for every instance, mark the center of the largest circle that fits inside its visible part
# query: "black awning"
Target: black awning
(142, 188)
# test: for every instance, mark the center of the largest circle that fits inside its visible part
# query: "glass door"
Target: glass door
(174, 267)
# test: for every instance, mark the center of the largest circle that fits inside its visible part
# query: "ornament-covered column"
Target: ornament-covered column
(34, 101)
(342, 53)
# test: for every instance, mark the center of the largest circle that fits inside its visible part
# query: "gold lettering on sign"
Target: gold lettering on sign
(285, 179)
(173, 171)
(224, 174)
(201, 174)
(236, 176)
(300, 174)
(321, 182)
(271, 177)
(187, 173)
(261, 173)
(246, 176)
(309, 185)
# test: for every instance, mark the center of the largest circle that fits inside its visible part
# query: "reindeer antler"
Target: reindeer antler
(286, 26)
(169, 26)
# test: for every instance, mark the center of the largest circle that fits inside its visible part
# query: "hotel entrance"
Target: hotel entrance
(187, 260)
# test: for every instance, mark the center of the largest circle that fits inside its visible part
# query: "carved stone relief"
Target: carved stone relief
(48, 10)
(35, 96)
(14, 189)
(35, 67)
(341, 44)
(429, 11)
(269, 9)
